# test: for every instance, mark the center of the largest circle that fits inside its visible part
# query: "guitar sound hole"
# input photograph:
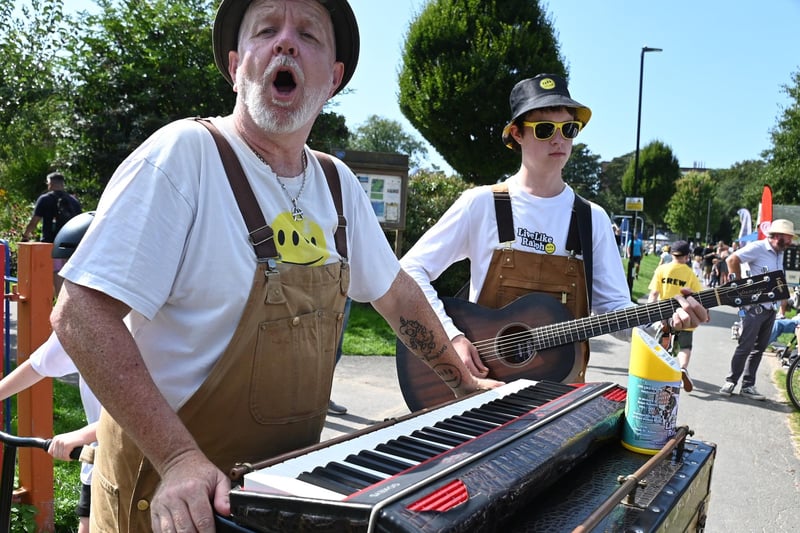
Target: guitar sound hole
(514, 345)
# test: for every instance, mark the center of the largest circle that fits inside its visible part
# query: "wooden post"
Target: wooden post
(35, 405)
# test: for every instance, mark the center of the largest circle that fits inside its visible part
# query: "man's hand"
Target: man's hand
(184, 497)
(477, 380)
(470, 356)
(690, 314)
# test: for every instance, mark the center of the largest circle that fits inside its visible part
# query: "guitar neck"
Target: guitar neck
(593, 326)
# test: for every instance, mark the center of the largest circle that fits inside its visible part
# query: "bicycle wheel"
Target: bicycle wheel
(793, 382)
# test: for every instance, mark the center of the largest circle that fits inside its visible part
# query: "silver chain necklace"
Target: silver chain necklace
(297, 213)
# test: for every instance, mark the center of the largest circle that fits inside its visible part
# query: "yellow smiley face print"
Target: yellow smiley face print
(299, 242)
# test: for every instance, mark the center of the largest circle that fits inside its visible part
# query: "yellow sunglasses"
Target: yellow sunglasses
(545, 129)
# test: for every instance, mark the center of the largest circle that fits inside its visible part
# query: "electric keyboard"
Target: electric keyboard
(464, 466)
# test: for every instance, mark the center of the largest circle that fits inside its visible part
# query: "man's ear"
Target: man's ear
(233, 65)
(338, 74)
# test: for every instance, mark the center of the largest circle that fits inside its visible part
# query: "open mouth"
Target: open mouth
(284, 82)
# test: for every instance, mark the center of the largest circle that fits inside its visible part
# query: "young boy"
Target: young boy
(50, 360)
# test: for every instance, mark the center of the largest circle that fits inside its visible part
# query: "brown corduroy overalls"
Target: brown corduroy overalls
(514, 273)
(267, 394)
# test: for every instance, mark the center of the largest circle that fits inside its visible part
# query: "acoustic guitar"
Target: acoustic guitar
(534, 337)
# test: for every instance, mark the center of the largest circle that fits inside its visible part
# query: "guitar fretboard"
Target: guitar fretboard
(592, 326)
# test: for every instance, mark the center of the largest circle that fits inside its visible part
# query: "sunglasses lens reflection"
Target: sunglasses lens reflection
(570, 130)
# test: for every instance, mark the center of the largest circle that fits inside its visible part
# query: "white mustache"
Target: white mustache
(284, 61)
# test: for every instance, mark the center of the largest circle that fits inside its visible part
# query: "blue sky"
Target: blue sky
(713, 94)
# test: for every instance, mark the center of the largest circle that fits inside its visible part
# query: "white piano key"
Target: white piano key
(261, 481)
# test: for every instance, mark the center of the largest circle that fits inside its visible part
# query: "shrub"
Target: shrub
(430, 194)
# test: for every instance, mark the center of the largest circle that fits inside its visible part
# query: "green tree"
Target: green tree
(30, 101)
(658, 172)
(738, 187)
(694, 207)
(431, 194)
(461, 59)
(610, 195)
(379, 134)
(583, 171)
(783, 158)
(137, 66)
(329, 133)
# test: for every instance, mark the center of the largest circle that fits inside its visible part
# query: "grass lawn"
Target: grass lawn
(367, 332)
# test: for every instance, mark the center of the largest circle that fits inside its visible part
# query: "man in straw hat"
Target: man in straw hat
(532, 232)
(763, 255)
(232, 292)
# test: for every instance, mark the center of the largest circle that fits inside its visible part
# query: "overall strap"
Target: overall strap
(335, 186)
(582, 217)
(260, 234)
(502, 210)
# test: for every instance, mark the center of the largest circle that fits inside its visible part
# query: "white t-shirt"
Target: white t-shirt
(469, 230)
(50, 360)
(169, 241)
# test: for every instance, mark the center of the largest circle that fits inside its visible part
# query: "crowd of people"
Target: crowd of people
(165, 349)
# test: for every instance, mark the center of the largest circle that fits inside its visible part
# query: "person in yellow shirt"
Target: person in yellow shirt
(668, 280)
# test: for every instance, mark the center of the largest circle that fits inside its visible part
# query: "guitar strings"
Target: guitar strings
(549, 336)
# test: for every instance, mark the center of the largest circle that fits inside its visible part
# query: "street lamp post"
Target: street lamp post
(645, 49)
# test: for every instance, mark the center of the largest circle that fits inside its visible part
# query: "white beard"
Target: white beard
(275, 117)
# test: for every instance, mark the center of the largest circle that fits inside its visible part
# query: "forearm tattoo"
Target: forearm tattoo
(420, 341)
(449, 374)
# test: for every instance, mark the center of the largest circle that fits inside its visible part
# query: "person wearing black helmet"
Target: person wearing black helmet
(232, 295)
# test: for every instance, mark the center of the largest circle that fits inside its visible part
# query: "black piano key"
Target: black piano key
(459, 426)
(497, 406)
(400, 449)
(517, 403)
(423, 446)
(488, 416)
(544, 392)
(378, 462)
(353, 473)
(479, 425)
(321, 478)
(439, 435)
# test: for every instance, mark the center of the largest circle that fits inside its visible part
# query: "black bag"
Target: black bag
(66, 208)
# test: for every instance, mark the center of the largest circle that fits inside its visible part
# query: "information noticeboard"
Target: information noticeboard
(384, 178)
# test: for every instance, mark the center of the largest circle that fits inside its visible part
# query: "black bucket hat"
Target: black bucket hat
(543, 90)
(345, 31)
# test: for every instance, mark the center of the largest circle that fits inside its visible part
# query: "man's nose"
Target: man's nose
(285, 43)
